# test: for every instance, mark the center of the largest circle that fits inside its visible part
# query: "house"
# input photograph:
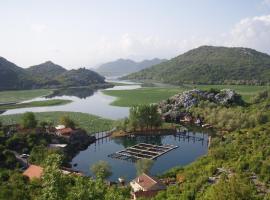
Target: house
(57, 146)
(33, 171)
(64, 132)
(146, 186)
(58, 127)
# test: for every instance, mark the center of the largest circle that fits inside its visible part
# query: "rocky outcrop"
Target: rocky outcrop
(178, 105)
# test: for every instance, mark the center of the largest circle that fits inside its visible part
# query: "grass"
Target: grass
(127, 98)
(53, 102)
(90, 123)
(22, 95)
(247, 91)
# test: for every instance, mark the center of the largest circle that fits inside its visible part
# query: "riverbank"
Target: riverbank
(15, 96)
(90, 123)
(54, 102)
(146, 95)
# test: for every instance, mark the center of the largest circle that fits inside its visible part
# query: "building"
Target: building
(146, 186)
(64, 132)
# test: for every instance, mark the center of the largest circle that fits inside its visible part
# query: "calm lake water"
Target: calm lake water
(95, 102)
(91, 102)
(188, 151)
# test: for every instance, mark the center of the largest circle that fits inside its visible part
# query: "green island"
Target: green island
(146, 95)
(22, 95)
(53, 102)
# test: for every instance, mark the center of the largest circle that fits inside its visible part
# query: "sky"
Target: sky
(86, 33)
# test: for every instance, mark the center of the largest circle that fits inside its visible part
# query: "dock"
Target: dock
(186, 135)
(142, 151)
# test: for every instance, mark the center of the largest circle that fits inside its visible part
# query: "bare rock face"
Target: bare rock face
(178, 104)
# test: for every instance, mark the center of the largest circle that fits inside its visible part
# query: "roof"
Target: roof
(149, 183)
(58, 127)
(57, 145)
(65, 131)
(33, 171)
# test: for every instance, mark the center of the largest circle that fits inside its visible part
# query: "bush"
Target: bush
(29, 120)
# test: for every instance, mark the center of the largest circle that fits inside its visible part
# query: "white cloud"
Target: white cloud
(38, 28)
(266, 3)
(144, 47)
(251, 32)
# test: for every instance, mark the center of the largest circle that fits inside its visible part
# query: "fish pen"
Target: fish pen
(142, 151)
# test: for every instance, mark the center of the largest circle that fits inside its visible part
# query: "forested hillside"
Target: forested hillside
(45, 75)
(211, 65)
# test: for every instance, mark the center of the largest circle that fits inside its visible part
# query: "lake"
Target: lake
(95, 102)
(83, 100)
(188, 150)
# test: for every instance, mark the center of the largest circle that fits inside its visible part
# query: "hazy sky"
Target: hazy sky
(77, 33)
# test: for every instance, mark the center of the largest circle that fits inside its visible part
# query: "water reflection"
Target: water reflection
(85, 100)
(81, 93)
(190, 148)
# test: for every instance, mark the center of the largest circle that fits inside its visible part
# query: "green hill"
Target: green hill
(211, 65)
(45, 75)
(13, 77)
(80, 77)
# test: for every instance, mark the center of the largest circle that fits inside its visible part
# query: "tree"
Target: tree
(29, 120)
(101, 169)
(234, 188)
(65, 120)
(53, 187)
(144, 166)
(144, 116)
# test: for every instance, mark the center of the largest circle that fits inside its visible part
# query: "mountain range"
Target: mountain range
(123, 67)
(210, 65)
(45, 75)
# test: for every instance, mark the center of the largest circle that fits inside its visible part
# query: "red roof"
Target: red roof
(33, 171)
(149, 183)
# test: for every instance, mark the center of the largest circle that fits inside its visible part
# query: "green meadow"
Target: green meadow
(53, 102)
(90, 123)
(127, 98)
(22, 95)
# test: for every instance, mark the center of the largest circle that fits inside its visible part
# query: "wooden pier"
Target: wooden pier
(186, 135)
(142, 151)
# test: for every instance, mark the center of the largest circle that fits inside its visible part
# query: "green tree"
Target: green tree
(53, 187)
(233, 188)
(144, 166)
(144, 116)
(101, 169)
(65, 120)
(29, 120)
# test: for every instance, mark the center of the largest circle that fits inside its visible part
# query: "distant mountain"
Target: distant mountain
(80, 77)
(45, 75)
(122, 67)
(211, 65)
(46, 70)
(13, 77)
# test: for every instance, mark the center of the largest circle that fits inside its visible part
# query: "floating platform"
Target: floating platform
(142, 151)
